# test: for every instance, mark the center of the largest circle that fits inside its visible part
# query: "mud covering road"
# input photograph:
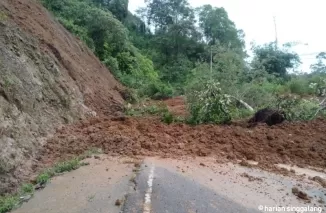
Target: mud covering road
(301, 143)
(158, 185)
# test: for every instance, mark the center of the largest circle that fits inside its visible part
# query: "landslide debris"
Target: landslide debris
(300, 143)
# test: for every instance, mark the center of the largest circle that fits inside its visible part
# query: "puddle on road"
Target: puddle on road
(301, 171)
(318, 192)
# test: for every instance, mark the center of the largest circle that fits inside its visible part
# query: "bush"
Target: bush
(158, 91)
(260, 95)
(300, 87)
(168, 118)
(240, 113)
(209, 105)
(297, 109)
(113, 65)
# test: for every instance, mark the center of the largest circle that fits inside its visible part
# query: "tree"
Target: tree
(273, 60)
(218, 28)
(176, 39)
(119, 8)
(162, 13)
(320, 66)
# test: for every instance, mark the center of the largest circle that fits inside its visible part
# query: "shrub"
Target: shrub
(209, 105)
(300, 87)
(158, 91)
(168, 118)
(239, 113)
(113, 65)
(297, 109)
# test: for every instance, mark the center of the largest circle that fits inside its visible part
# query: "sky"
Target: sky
(296, 21)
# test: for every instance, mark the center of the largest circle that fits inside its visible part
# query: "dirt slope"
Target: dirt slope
(47, 78)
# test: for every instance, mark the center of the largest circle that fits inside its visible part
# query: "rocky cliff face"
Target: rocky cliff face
(47, 78)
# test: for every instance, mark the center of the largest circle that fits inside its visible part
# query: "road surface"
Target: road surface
(166, 186)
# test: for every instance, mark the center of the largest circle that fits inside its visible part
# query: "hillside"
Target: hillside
(48, 77)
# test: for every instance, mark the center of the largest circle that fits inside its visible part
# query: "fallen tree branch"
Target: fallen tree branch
(243, 103)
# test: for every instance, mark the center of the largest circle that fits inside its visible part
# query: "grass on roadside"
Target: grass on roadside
(10, 201)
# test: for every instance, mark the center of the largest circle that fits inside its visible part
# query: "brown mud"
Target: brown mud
(301, 143)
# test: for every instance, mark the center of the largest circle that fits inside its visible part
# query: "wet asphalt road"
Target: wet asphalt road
(174, 193)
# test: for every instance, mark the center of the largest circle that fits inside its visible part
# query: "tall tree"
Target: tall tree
(275, 61)
(176, 38)
(217, 28)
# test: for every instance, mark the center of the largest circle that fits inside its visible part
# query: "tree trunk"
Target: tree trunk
(247, 106)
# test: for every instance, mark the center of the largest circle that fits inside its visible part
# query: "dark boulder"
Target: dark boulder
(268, 116)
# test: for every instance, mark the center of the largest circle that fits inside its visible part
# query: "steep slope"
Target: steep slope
(47, 78)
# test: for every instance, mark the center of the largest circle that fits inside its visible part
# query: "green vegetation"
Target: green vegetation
(297, 108)
(169, 48)
(209, 105)
(7, 203)
(92, 22)
(66, 166)
(27, 188)
(11, 201)
(58, 168)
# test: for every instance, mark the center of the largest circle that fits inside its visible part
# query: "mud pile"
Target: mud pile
(298, 143)
(176, 106)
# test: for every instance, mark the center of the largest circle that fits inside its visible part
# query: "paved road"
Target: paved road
(167, 186)
(89, 189)
(174, 193)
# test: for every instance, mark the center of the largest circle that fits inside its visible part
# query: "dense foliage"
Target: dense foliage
(169, 48)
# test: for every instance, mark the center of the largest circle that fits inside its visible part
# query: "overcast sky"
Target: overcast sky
(297, 20)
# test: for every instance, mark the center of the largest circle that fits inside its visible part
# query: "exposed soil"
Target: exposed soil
(290, 143)
(100, 89)
(48, 78)
(177, 106)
